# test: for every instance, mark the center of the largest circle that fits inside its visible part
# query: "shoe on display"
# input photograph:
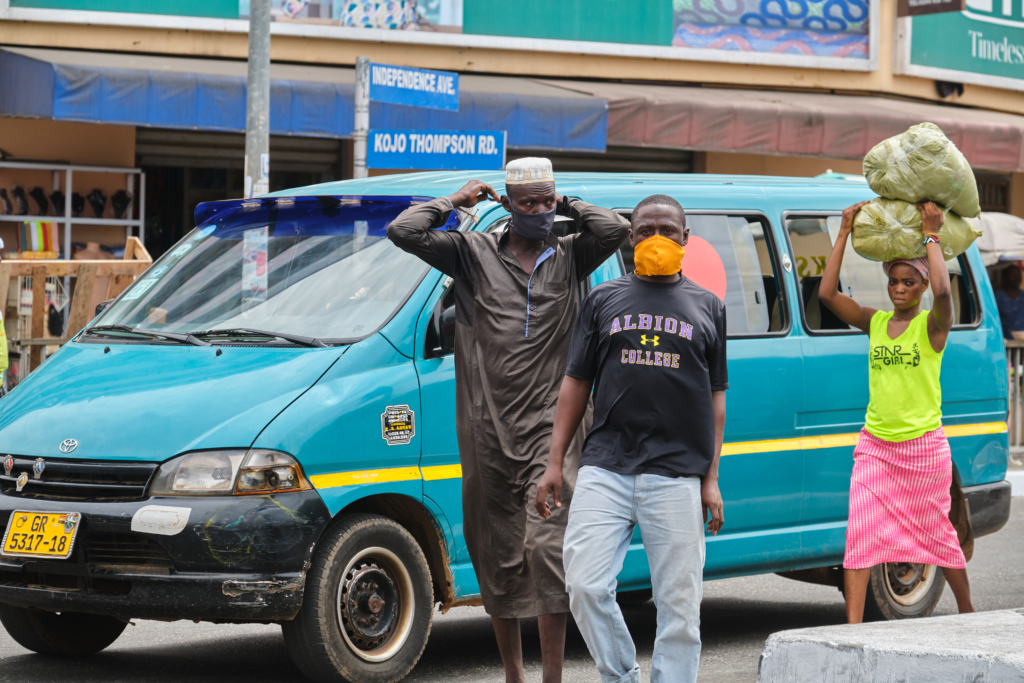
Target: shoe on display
(57, 198)
(21, 200)
(120, 201)
(77, 204)
(98, 202)
(40, 198)
(8, 209)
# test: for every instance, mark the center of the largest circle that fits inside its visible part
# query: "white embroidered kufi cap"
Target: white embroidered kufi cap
(529, 170)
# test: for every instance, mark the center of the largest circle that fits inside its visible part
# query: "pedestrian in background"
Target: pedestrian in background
(902, 471)
(651, 344)
(1010, 302)
(516, 298)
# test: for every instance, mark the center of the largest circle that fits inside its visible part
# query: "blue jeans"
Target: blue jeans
(605, 508)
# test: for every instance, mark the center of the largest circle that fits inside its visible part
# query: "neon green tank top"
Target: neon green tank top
(903, 376)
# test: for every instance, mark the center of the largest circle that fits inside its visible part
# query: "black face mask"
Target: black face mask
(533, 226)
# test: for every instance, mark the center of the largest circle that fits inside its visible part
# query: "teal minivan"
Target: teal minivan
(261, 428)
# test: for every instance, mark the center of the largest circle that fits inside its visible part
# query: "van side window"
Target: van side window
(812, 237)
(732, 255)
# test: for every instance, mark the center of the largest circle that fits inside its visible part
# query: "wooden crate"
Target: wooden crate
(121, 273)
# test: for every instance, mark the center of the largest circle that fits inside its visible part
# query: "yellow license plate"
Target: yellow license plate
(41, 534)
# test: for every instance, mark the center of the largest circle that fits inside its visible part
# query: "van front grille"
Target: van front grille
(65, 479)
(125, 549)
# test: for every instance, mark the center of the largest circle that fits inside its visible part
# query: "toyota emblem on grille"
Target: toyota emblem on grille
(68, 445)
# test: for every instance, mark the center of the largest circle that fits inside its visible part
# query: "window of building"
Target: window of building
(994, 192)
(732, 256)
(812, 237)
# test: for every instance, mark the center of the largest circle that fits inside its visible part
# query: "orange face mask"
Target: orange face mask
(658, 255)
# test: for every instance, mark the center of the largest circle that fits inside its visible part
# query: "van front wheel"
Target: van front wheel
(367, 606)
(903, 590)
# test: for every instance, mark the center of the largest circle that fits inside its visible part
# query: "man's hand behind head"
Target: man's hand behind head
(472, 193)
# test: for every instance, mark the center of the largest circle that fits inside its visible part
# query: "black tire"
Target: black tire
(903, 591)
(68, 634)
(379, 564)
(633, 598)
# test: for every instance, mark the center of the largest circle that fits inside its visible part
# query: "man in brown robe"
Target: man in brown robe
(516, 296)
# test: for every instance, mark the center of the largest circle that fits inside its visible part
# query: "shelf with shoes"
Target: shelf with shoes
(70, 207)
(118, 203)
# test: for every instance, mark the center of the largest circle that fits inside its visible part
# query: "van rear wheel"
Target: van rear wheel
(903, 590)
(367, 606)
(68, 634)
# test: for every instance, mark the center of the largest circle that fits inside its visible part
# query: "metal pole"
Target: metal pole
(362, 118)
(141, 206)
(257, 117)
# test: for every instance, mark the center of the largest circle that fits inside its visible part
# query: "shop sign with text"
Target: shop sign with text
(983, 44)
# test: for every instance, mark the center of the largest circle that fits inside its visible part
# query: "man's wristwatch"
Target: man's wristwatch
(563, 206)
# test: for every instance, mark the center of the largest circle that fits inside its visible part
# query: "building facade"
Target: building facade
(779, 87)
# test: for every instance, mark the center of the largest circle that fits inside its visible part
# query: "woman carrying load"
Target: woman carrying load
(902, 471)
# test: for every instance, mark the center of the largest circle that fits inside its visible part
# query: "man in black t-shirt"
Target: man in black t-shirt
(651, 345)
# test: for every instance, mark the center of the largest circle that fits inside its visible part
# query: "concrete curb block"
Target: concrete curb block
(1016, 479)
(986, 647)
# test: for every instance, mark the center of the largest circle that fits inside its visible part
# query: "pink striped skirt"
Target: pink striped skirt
(899, 503)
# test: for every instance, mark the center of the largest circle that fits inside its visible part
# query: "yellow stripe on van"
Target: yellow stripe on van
(336, 479)
(975, 430)
(805, 443)
(436, 472)
(810, 443)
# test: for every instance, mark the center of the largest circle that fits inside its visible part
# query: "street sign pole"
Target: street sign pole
(257, 115)
(362, 117)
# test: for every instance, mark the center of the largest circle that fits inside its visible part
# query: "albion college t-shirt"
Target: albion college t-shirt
(655, 352)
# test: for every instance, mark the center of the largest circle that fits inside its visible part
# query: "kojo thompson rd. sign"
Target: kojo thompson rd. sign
(467, 150)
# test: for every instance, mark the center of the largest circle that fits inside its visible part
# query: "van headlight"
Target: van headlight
(229, 472)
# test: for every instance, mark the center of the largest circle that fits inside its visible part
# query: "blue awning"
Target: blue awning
(208, 94)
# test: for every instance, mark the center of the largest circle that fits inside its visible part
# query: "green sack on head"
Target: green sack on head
(922, 165)
(887, 229)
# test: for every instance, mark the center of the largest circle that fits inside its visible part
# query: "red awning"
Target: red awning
(793, 123)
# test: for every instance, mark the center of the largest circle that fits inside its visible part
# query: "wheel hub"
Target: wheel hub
(908, 583)
(904, 576)
(370, 605)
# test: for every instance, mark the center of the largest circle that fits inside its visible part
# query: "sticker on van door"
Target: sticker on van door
(397, 425)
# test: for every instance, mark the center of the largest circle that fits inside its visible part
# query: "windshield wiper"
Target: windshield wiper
(183, 338)
(248, 332)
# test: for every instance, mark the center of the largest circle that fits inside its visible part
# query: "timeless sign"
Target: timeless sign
(983, 44)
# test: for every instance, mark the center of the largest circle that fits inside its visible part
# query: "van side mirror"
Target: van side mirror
(103, 305)
(447, 331)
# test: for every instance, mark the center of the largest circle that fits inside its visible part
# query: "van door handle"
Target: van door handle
(786, 263)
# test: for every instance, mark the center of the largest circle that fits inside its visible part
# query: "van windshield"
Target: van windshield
(319, 267)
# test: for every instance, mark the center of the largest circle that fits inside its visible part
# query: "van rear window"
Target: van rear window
(812, 237)
(732, 256)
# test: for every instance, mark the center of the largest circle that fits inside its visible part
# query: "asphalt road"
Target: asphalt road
(737, 616)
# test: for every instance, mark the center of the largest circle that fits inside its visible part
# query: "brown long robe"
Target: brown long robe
(507, 383)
